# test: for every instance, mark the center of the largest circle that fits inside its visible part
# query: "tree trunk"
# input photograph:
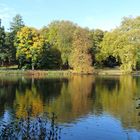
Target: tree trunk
(33, 67)
(2, 63)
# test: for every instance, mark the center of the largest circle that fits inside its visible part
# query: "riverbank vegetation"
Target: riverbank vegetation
(27, 127)
(63, 45)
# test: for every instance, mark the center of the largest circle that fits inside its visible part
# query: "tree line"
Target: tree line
(65, 45)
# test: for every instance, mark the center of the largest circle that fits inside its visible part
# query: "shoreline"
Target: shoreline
(100, 72)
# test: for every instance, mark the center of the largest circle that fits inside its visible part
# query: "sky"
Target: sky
(102, 14)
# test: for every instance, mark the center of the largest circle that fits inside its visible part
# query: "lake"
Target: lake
(87, 107)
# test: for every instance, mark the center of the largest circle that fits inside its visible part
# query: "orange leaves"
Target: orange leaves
(80, 59)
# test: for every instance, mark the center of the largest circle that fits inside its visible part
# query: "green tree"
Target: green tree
(80, 58)
(15, 25)
(10, 48)
(3, 54)
(97, 36)
(107, 47)
(123, 44)
(51, 57)
(60, 36)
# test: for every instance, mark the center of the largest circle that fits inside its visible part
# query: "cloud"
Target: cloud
(6, 13)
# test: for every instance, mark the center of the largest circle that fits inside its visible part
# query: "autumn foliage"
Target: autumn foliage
(65, 45)
(80, 59)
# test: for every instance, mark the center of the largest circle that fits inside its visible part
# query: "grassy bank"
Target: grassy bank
(60, 73)
(109, 72)
(12, 70)
(35, 72)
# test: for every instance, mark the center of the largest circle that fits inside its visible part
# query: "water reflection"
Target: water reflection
(119, 101)
(73, 98)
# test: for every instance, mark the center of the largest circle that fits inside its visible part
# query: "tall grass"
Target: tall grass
(29, 128)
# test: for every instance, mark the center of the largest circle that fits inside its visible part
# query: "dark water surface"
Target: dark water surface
(87, 107)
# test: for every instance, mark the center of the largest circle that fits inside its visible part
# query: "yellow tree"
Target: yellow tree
(30, 45)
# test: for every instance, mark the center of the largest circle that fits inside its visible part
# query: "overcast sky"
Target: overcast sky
(103, 14)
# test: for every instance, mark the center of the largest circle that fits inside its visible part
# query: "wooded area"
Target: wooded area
(65, 45)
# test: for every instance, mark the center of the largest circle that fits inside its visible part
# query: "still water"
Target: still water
(87, 107)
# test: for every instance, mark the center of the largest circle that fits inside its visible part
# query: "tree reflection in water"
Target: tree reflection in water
(73, 98)
(42, 127)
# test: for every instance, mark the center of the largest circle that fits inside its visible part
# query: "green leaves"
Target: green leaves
(64, 45)
(16, 24)
(123, 43)
(60, 35)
